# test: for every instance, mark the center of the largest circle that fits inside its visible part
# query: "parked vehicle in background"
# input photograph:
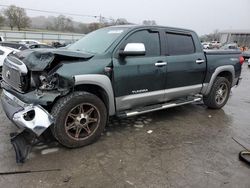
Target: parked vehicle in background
(215, 44)
(1, 39)
(4, 51)
(206, 45)
(246, 54)
(27, 41)
(231, 46)
(34, 46)
(58, 44)
(249, 62)
(14, 45)
(115, 71)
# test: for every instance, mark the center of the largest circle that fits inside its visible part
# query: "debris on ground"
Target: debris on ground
(28, 171)
(66, 179)
(188, 143)
(139, 125)
(108, 133)
(245, 156)
(149, 131)
(129, 182)
(49, 150)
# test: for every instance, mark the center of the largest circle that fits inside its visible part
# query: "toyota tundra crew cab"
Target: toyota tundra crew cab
(115, 71)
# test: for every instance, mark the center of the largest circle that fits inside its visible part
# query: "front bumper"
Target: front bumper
(26, 116)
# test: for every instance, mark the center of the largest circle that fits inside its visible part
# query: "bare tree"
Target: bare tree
(149, 22)
(16, 16)
(22, 20)
(63, 23)
(83, 28)
(215, 36)
(69, 24)
(121, 21)
(59, 23)
(94, 26)
(10, 14)
(2, 19)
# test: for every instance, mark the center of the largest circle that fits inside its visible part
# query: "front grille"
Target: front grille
(14, 75)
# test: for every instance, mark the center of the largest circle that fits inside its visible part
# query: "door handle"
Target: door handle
(200, 61)
(160, 64)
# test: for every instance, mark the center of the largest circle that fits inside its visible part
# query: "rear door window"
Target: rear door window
(179, 44)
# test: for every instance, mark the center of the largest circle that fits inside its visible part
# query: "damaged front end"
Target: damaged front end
(31, 84)
(32, 120)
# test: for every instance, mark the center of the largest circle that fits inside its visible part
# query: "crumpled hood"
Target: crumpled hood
(39, 59)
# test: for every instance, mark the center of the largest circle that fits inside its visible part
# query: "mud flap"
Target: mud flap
(22, 143)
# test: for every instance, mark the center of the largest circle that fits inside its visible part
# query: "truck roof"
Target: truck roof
(131, 26)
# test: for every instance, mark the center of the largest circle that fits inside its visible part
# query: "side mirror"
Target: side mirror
(133, 49)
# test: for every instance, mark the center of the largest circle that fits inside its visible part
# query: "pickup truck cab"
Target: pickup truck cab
(114, 71)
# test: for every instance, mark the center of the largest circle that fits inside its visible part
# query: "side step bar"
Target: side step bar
(158, 107)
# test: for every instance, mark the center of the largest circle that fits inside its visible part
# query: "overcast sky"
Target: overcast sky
(203, 16)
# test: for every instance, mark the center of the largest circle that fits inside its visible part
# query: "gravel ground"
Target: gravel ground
(187, 146)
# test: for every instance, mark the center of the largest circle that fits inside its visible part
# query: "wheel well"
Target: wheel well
(227, 75)
(96, 90)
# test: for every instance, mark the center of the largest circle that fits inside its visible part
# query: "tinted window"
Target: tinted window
(179, 44)
(151, 41)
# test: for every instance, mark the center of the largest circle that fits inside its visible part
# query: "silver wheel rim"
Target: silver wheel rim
(221, 93)
(82, 121)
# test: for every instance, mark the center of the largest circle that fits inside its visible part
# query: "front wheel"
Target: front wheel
(80, 118)
(219, 93)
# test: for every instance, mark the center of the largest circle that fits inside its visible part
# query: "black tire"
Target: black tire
(70, 115)
(211, 100)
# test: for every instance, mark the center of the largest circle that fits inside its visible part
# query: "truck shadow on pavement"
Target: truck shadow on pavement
(155, 123)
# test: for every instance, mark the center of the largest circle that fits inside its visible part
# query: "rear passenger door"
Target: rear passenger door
(186, 64)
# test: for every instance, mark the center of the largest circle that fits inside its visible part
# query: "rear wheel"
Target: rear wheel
(80, 118)
(219, 93)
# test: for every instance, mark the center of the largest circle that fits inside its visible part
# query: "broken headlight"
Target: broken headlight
(48, 82)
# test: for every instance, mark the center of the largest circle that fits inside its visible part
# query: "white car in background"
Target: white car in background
(206, 45)
(215, 44)
(4, 51)
(27, 41)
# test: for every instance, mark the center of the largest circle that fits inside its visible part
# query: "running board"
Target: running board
(158, 107)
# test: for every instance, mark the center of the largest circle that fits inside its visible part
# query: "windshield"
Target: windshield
(97, 42)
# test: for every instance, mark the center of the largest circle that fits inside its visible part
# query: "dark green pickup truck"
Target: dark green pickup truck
(115, 71)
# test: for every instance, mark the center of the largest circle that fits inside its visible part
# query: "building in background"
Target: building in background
(241, 37)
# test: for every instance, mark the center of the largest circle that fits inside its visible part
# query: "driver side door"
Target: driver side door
(140, 80)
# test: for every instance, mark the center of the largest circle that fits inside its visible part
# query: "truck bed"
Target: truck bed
(222, 52)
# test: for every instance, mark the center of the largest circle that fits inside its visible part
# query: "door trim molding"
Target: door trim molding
(133, 100)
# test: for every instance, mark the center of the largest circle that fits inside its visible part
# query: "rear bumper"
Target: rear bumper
(26, 116)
